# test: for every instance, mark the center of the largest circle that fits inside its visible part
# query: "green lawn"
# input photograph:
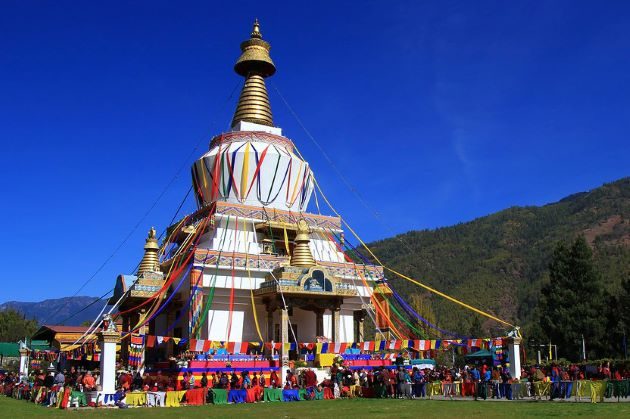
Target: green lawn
(335, 409)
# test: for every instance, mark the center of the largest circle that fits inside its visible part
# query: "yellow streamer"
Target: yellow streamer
(295, 184)
(245, 172)
(286, 242)
(203, 173)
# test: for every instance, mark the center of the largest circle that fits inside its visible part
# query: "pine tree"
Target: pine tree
(14, 327)
(475, 330)
(572, 302)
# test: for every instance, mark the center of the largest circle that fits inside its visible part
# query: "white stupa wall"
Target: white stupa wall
(243, 326)
(306, 323)
(240, 236)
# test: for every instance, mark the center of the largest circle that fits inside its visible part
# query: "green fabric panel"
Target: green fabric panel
(272, 395)
(219, 396)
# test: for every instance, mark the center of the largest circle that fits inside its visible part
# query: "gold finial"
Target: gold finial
(302, 256)
(256, 31)
(255, 65)
(150, 261)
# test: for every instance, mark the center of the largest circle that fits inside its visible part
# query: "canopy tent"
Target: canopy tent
(422, 361)
(9, 349)
(479, 355)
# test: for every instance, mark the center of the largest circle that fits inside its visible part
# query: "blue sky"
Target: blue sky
(435, 112)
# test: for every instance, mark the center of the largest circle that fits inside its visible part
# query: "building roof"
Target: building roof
(64, 329)
(59, 333)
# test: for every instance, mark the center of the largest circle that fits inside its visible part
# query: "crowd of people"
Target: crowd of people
(480, 382)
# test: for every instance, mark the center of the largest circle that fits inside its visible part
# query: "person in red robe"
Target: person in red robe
(274, 380)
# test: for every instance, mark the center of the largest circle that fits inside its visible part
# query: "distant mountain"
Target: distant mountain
(45, 312)
(498, 262)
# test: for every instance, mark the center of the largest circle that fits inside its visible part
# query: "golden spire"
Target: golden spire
(150, 261)
(255, 65)
(302, 256)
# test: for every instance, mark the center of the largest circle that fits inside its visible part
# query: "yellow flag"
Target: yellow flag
(286, 242)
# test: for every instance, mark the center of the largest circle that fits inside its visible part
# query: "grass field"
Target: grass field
(335, 409)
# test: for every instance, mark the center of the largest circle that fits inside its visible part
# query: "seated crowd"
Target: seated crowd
(54, 388)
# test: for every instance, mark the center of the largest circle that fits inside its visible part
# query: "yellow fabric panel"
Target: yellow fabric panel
(325, 360)
(136, 399)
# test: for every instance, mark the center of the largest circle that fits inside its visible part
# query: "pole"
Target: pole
(555, 351)
(539, 357)
(583, 349)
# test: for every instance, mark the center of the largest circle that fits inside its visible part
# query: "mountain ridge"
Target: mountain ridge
(56, 310)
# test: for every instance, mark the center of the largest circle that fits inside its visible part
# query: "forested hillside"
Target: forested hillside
(500, 261)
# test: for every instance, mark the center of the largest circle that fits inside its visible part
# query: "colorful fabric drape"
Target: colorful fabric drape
(136, 349)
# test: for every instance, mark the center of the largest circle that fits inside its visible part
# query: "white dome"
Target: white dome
(253, 168)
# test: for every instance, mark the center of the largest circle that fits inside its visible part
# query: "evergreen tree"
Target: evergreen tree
(619, 320)
(14, 327)
(572, 302)
(421, 304)
(475, 330)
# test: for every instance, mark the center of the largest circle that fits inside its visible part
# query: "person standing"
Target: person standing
(400, 382)
(476, 380)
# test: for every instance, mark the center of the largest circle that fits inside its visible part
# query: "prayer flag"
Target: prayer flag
(286, 239)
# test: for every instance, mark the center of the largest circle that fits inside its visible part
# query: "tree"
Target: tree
(14, 327)
(572, 302)
(421, 304)
(475, 330)
(619, 319)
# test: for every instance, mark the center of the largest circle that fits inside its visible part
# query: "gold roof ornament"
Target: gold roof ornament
(302, 256)
(150, 261)
(255, 65)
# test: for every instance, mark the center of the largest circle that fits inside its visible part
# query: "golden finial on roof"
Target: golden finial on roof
(256, 30)
(255, 65)
(150, 260)
(302, 256)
